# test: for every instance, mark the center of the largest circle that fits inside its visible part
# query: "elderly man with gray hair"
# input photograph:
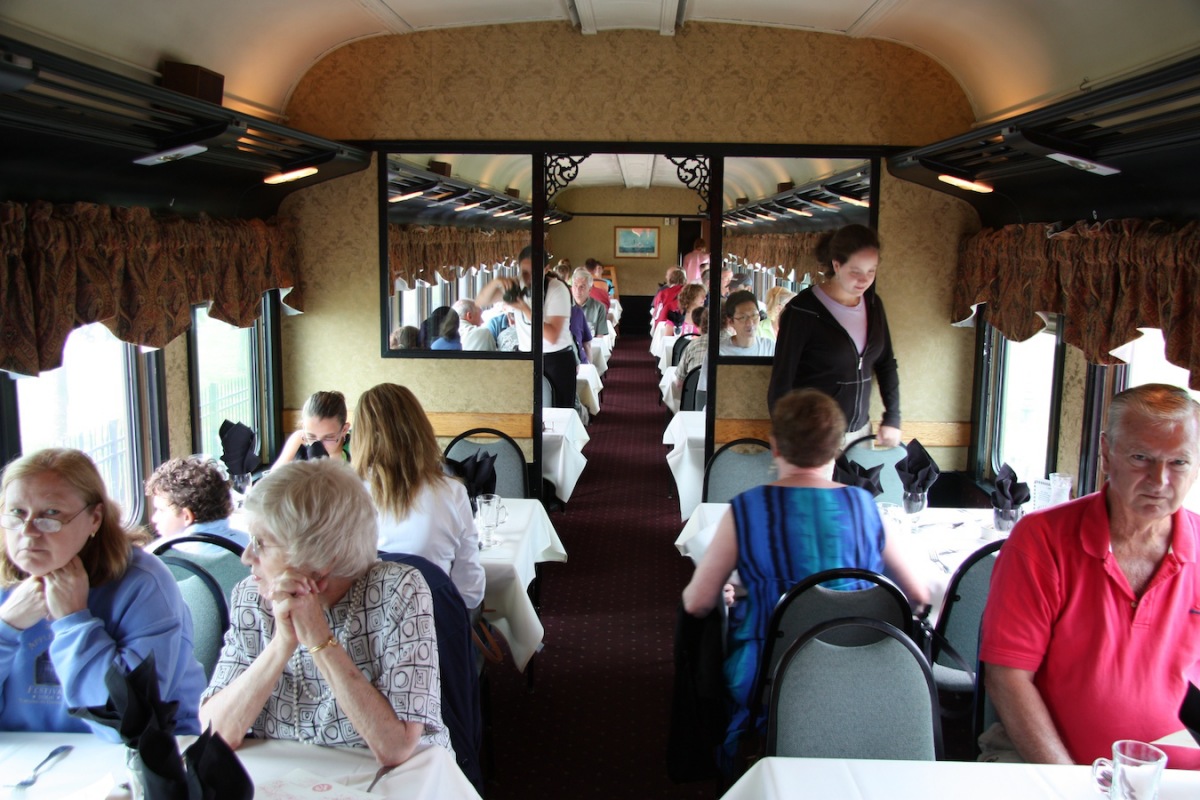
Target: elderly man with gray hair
(1092, 626)
(471, 330)
(593, 310)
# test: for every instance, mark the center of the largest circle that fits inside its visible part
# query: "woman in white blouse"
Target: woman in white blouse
(421, 511)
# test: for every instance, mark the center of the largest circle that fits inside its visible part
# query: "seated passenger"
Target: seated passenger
(421, 510)
(666, 302)
(1092, 626)
(825, 525)
(191, 495)
(741, 314)
(473, 334)
(691, 298)
(431, 328)
(595, 312)
(403, 338)
(602, 293)
(696, 352)
(77, 596)
(777, 298)
(448, 338)
(318, 615)
(322, 421)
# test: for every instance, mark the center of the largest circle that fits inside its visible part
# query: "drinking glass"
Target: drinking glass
(914, 504)
(1005, 518)
(1060, 487)
(1133, 773)
(492, 514)
(892, 514)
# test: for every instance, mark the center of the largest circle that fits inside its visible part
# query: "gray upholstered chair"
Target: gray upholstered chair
(691, 398)
(958, 624)
(210, 611)
(874, 700)
(737, 466)
(861, 452)
(547, 393)
(220, 557)
(512, 477)
(680, 345)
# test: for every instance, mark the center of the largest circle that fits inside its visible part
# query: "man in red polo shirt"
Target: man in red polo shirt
(1092, 627)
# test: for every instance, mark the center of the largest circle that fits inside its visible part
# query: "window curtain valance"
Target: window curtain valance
(781, 252)
(138, 273)
(1107, 279)
(420, 252)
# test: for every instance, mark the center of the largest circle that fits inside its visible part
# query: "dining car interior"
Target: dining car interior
(231, 230)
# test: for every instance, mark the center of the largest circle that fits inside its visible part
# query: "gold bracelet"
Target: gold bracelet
(330, 642)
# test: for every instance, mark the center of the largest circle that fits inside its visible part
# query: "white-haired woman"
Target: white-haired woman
(328, 645)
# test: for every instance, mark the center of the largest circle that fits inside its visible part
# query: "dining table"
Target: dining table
(563, 439)
(936, 542)
(614, 308)
(598, 352)
(666, 356)
(671, 393)
(281, 770)
(685, 436)
(775, 778)
(588, 386)
(525, 539)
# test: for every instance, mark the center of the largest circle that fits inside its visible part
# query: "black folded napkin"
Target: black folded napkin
(477, 472)
(854, 474)
(134, 703)
(214, 772)
(239, 448)
(311, 452)
(1009, 493)
(917, 470)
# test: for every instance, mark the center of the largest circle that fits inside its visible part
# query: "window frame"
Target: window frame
(256, 383)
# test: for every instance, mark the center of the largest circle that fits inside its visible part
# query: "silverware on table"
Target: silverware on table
(951, 525)
(379, 775)
(47, 762)
(936, 558)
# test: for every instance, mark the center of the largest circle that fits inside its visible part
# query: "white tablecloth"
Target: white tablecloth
(526, 539)
(671, 395)
(778, 778)
(562, 449)
(951, 533)
(656, 337)
(668, 348)
(615, 307)
(92, 770)
(599, 353)
(588, 386)
(685, 435)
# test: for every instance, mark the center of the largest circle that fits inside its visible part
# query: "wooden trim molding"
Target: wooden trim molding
(450, 423)
(931, 434)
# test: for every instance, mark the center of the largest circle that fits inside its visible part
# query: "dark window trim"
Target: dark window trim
(271, 376)
(1053, 432)
(136, 416)
(1097, 391)
(157, 428)
(10, 420)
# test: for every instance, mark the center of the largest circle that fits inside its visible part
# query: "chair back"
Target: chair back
(219, 557)
(962, 610)
(737, 466)
(680, 345)
(547, 393)
(512, 477)
(861, 452)
(874, 701)
(208, 606)
(692, 399)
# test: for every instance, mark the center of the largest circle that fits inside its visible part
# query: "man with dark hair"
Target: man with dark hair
(1092, 625)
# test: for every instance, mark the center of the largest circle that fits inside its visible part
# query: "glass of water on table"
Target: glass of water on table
(490, 514)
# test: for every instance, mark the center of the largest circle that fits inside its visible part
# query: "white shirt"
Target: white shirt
(440, 527)
(759, 347)
(476, 337)
(557, 304)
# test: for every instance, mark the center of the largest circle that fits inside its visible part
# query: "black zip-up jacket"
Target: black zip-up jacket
(814, 351)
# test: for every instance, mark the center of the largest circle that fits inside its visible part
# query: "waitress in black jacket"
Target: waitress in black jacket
(833, 336)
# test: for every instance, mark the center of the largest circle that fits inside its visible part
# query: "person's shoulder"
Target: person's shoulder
(145, 574)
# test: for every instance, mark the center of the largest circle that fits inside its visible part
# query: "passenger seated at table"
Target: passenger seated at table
(431, 328)
(595, 312)
(191, 495)
(691, 298)
(420, 510)
(323, 420)
(695, 353)
(319, 614)
(602, 294)
(403, 338)
(779, 534)
(666, 302)
(76, 596)
(777, 298)
(448, 338)
(741, 317)
(472, 332)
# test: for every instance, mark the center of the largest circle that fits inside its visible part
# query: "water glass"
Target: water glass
(915, 503)
(1060, 487)
(1133, 773)
(892, 514)
(492, 514)
(1005, 518)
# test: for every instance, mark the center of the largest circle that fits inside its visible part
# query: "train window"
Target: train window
(90, 403)
(1025, 403)
(225, 364)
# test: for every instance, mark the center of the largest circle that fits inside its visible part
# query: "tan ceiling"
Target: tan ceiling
(1008, 55)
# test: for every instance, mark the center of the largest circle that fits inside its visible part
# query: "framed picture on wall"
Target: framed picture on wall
(635, 242)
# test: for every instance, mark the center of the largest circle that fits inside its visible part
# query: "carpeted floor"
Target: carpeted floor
(595, 724)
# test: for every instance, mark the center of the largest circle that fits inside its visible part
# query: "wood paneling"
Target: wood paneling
(449, 423)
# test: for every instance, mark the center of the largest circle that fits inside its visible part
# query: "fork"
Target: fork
(936, 558)
(47, 762)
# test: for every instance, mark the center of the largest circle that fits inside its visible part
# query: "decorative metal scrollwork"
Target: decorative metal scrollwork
(561, 169)
(693, 173)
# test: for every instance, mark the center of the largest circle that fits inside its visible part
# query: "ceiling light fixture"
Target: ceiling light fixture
(399, 198)
(503, 212)
(469, 206)
(799, 212)
(288, 177)
(962, 183)
(174, 154)
(1086, 165)
(854, 201)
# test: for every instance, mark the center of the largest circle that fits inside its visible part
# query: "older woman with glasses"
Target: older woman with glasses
(328, 645)
(741, 316)
(76, 596)
(323, 422)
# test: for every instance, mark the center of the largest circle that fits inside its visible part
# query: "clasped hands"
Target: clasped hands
(51, 596)
(299, 613)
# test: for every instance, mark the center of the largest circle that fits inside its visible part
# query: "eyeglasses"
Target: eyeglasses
(745, 317)
(15, 522)
(333, 438)
(256, 547)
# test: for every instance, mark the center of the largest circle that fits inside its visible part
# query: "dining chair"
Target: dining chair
(958, 624)
(547, 393)
(875, 701)
(692, 399)
(208, 606)
(218, 556)
(831, 594)
(680, 345)
(862, 452)
(737, 466)
(512, 477)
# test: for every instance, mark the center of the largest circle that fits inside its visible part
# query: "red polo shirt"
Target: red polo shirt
(600, 295)
(1108, 665)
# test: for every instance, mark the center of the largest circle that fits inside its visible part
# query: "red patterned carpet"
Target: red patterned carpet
(595, 724)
